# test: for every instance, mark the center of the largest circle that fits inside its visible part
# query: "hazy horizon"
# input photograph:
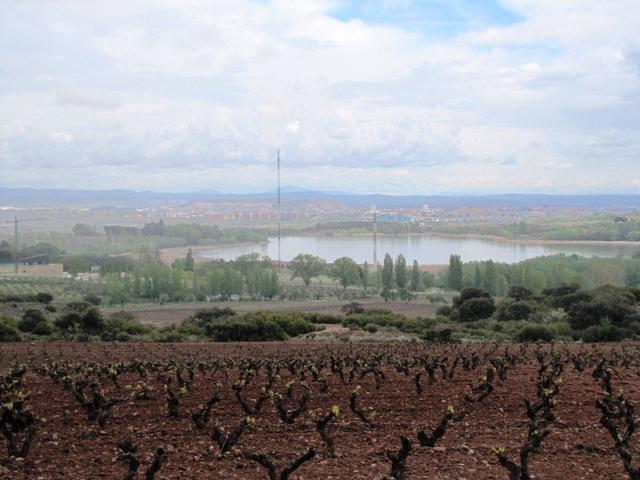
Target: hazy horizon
(298, 190)
(392, 97)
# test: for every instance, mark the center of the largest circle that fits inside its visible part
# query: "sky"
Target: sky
(387, 96)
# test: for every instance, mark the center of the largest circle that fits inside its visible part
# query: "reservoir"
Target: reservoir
(426, 249)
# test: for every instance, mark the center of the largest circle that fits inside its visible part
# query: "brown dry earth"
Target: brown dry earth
(68, 446)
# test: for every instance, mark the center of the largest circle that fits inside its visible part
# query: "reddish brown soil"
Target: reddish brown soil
(68, 446)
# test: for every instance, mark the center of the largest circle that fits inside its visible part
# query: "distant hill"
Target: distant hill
(32, 197)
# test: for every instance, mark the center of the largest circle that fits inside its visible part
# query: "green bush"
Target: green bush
(535, 333)
(31, 320)
(586, 314)
(604, 333)
(383, 318)
(437, 299)
(467, 294)
(476, 309)
(121, 325)
(168, 335)
(93, 299)
(260, 326)
(567, 301)
(519, 292)
(352, 308)
(327, 318)
(44, 297)
(444, 311)
(8, 331)
(202, 322)
(438, 336)
(510, 309)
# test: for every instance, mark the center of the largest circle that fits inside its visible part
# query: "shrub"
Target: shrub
(567, 301)
(548, 316)
(437, 299)
(535, 333)
(92, 321)
(467, 294)
(43, 328)
(260, 326)
(444, 311)
(604, 333)
(93, 299)
(328, 318)
(519, 292)
(78, 307)
(123, 324)
(585, 314)
(383, 318)
(626, 294)
(30, 320)
(8, 332)
(352, 308)
(169, 335)
(510, 309)
(440, 336)
(26, 298)
(202, 321)
(44, 297)
(561, 290)
(476, 309)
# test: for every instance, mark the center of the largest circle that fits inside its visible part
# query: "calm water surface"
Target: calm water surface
(425, 249)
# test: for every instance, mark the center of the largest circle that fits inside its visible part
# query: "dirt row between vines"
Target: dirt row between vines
(68, 446)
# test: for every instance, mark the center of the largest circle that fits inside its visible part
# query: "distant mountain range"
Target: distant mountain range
(32, 197)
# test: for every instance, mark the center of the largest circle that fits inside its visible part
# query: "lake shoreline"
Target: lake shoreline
(170, 254)
(203, 253)
(530, 241)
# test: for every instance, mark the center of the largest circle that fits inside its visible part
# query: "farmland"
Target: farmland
(414, 410)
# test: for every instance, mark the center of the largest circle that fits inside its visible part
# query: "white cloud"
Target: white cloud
(61, 136)
(173, 91)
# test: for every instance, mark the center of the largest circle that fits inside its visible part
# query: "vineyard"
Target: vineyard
(64, 290)
(310, 411)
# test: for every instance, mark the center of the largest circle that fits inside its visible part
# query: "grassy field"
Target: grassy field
(162, 315)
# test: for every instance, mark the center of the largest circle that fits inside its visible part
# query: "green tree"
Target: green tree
(477, 278)
(364, 275)
(345, 270)
(75, 264)
(92, 321)
(34, 321)
(387, 272)
(455, 272)
(189, 262)
(6, 251)
(67, 323)
(401, 272)
(490, 278)
(427, 279)
(306, 267)
(416, 277)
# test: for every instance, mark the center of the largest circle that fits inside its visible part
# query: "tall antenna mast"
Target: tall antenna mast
(375, 243)
(279, 213)
(15, 224)
(375, 236)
